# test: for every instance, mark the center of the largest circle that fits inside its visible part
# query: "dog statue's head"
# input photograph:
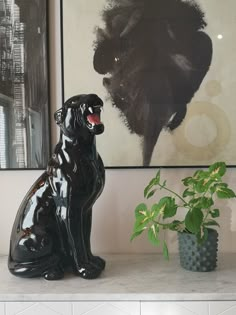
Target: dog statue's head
(80, 113)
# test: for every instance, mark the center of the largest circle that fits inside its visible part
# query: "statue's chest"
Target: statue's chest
(89, 178)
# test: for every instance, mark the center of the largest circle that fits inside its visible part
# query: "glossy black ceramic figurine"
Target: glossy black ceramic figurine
(52, 228)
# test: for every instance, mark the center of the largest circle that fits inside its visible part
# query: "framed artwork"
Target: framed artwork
(24, 84)
(165, 70)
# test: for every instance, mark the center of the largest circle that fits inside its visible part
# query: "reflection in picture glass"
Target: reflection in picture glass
(24, 131)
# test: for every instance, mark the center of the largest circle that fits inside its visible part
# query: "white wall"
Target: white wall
(113, 212)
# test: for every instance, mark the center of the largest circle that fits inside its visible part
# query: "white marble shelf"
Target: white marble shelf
(129, 278)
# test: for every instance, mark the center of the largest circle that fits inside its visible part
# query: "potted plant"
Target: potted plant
(198, 239)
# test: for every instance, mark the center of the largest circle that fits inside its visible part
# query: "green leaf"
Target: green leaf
(224, 192)
(154, 181)
(141, 224)
(155, 210)
(203, 181)
(201, 202)
(141, 210)
(135, 234)
(203, 185)
(206, 202)
(177, 225)
(151, 193)
(187, 192)
(170, 211)
(218, 186)
(217, 169)
(158, 176)
(188, 181)
(199, 187)
(211, 223)
(207, 183)
(165, 251)
(167, 207)
(143, 217)
(215, 213)
(193, 220)
(153, 234)
(200, 174)
(213, 188)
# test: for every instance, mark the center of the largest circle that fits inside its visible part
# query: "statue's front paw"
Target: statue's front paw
(99, 262)
(55, 273)
(88, 271)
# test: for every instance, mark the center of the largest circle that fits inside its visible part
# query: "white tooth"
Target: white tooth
(90, 109)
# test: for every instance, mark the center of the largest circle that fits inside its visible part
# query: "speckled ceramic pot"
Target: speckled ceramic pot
(198, 257)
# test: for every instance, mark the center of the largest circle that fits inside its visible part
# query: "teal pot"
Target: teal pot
(195, 256)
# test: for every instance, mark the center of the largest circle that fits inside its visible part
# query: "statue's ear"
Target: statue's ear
(60, 115)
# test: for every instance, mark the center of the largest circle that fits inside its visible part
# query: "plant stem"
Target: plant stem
(206, 215)
(161, 224)
(171, 191)
(208, 211)
(164, 224)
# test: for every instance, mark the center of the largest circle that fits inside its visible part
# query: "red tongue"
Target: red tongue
(94, 119)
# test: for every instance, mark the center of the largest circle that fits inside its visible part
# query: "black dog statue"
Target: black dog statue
(52, 228)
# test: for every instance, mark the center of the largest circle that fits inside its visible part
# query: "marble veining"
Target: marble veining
(129, 277)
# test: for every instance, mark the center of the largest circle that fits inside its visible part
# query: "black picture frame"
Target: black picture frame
(25, 138)
(208, 100)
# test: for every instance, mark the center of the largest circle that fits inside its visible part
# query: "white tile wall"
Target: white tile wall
(226, 308)
(59, 307)
(106, 308)
(2, 308)
(188, 308)
(173, 308)
(118, 308)
(69, 308)
(17, 307)
(39, 308)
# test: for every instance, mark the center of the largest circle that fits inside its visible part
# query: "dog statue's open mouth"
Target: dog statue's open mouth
(93, 119)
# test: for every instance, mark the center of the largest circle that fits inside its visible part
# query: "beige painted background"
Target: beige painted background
(114, 211)
(209, 129)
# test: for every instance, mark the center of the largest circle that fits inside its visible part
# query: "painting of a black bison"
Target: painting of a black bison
(166, 72)
(153, 56)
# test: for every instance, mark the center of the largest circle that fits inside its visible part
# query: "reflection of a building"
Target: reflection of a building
(23, 84)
